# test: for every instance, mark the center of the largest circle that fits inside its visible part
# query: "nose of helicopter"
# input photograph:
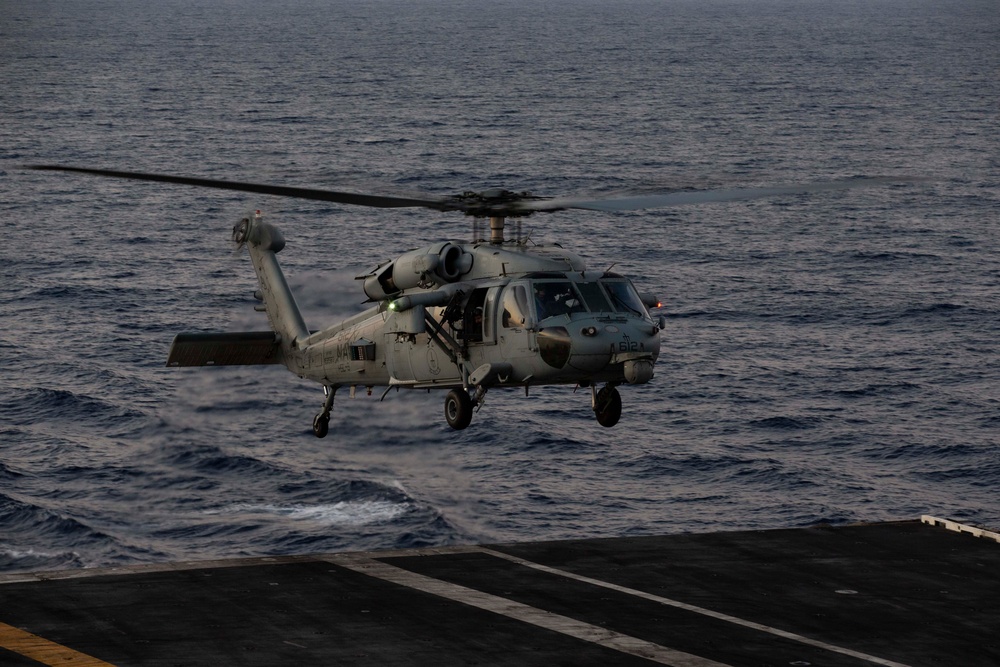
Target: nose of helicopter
(592, 346)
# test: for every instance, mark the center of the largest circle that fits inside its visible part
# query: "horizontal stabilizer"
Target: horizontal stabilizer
(225, 349)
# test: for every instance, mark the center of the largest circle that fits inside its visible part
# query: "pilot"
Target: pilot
(542, 301)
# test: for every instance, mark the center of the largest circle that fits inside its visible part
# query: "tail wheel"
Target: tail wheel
(458, 409)
(608, 406)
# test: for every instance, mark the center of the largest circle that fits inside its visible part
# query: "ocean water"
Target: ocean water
(828, 358)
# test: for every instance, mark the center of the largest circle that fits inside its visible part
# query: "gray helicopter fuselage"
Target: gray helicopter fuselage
(463, 317)
(535, 314)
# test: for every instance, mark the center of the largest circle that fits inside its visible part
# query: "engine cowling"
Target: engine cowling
(425, 268)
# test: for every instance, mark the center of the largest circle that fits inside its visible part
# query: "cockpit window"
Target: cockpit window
(556, 298)
(624, 297)
(594, 297)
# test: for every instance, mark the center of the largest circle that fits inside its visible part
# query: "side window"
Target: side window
(489, 315)
(474, 321)
(513, 307)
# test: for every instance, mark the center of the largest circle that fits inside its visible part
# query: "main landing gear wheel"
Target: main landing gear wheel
(458, 409)
(321, 422)
(608, 406)
(321, 425)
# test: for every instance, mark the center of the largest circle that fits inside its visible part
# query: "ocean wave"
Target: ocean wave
(36, 537)
(879, 389)
(342, 513)
(213, 460)
(40, 405)
(13, 558)
(18, 516)
(935, 454)
(6, 472)
(784, 423)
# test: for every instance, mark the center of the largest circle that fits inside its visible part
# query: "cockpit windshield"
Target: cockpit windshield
(624, 297)
(556, 298)
(594, 297)
(563, 297)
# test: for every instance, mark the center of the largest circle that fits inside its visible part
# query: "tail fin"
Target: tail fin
(264, 240)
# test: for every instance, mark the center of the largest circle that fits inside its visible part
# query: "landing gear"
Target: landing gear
(458, 409)
(608, 406)
(321, 425)
(321, 422)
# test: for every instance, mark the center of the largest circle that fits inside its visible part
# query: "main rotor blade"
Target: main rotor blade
(380, 201)
(685, 198)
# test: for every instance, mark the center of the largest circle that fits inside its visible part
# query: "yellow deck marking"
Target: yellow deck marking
(43, 651)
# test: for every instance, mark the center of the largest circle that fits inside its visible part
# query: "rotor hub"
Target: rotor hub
(493, 203)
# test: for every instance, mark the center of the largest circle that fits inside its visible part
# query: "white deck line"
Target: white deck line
(698, 610)
(522, 612)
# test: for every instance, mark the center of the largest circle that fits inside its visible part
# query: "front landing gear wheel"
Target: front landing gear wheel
(321, 425)
(608, 406)
(458, 409)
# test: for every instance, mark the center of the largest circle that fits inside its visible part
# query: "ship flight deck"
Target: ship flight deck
(898, 593)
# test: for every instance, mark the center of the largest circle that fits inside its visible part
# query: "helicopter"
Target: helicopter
(466, 317)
